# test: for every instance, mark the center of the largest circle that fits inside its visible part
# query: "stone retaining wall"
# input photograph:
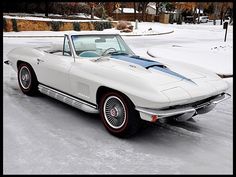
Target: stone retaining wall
(33, 25)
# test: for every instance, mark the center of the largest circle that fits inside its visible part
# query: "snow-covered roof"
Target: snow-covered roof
(83, 15)
(126, 10)
(152, 5)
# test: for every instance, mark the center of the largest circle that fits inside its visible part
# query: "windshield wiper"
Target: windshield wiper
(118, 53)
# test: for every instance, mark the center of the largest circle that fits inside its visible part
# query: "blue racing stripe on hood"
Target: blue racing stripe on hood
(170, 72)
(136, 60)
(149, 63)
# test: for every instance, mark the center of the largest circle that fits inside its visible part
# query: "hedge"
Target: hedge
(14, 25)
(76, 26)
(56, 25)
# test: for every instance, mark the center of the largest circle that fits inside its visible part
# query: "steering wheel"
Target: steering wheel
(111, 48)
(88, 53)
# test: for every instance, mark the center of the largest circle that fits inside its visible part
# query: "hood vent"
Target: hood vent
(156, 65)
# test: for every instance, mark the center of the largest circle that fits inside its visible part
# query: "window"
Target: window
(99, 44)
(66, 47)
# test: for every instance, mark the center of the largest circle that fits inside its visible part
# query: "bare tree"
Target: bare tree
(216, 11)
(225, 7)
(143, 7)
(157, 7)
(198, 6)
(46, 8)
(135, 16)
(92, 6)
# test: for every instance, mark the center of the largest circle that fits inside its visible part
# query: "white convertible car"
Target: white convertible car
(98, 73)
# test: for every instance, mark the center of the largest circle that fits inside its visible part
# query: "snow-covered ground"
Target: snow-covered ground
(201, 45)
(44, 136)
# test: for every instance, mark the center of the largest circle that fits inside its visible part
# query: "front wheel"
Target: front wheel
(118, 115)
(27, 79)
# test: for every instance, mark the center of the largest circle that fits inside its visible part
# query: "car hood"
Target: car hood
(154, 70)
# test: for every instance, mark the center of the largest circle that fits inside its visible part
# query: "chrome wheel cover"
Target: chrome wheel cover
(114, 112)
(24, 77)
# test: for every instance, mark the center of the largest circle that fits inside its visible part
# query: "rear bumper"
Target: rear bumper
(183, 112)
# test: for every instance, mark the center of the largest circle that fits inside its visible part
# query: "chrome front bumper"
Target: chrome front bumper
(182, 113)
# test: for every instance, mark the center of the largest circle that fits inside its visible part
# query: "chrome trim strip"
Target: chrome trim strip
(165, 113)
(221, 98)
(75, 102)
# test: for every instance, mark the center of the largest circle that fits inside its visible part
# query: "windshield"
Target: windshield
(99, 45)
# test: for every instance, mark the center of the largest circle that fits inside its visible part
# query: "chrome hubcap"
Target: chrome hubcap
(114, 112)
(25, 78)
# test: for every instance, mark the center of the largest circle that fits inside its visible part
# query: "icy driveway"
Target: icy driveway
(42, 135)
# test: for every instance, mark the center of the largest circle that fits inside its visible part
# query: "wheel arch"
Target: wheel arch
(103, 89)
(21, 61)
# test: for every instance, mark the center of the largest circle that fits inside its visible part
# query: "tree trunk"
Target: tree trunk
(194, 15)
(135, 16)
(215, 13)
(46, 9)
(143, 15)
(198, 20)
(92, 12)
(144, 10)
(26, 7)
(221, 15)
(157, 8)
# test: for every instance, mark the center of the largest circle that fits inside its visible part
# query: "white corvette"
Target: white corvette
(98, 73)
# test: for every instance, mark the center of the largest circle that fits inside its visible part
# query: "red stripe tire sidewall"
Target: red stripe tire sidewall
(30, 72)
(102, 113)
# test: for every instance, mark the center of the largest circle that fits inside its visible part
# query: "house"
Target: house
(151, 8)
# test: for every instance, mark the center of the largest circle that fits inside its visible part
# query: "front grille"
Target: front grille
(197, 104)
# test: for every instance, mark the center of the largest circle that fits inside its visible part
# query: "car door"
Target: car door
(53, 69)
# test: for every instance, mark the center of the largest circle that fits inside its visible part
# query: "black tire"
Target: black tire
(118, 115)
(27, 79)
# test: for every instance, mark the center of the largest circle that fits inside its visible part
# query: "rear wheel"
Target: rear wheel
(118, 115)
(27, 79)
